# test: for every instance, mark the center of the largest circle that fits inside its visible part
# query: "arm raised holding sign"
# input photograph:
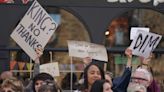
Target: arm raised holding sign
(36, 71)
(121, 83)
(39, 52)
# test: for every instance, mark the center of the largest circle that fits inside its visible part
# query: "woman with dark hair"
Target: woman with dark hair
(92, 72)
(40, 79)
(66, 82)
(101, 86)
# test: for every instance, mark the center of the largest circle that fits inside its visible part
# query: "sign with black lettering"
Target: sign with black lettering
(34, 30)
(84, 49)
(144, 43)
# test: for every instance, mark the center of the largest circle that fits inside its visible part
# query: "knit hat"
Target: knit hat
(43, 77)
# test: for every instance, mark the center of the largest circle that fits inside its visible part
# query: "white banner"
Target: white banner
(84, 49)
(34, 30)
(50, 68)
(144, 43)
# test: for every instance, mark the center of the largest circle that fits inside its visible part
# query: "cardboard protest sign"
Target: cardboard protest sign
(34, 30)
(134, 31)
(144, 43)
(84, 49)
(50, 68)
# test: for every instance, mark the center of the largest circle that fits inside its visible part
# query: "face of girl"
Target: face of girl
(107, 87)
(38, 83)
(93, 74)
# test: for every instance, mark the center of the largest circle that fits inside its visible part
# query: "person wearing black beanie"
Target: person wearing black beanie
(39, 79)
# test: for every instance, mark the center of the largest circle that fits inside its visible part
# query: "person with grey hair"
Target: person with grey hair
(141, 78)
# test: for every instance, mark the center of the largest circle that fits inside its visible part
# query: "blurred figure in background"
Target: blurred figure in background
(6, 75)
(39, 80)
(66, 82)
(12, 85)
(92, 72)
(145, 64)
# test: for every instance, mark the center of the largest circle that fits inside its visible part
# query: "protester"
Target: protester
(12, 85)
(66, 82)
(39, 52)
(6, 75)
(120, 84)
(153, 86)
(92, 72)
(101, 86)
(143, 75)
(38, 78)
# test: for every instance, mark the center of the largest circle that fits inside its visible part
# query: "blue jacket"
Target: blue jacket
(121, 83)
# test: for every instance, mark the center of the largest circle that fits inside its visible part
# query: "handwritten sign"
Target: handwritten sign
(50, 68)
(34, 30)
(134, 31)
(155, 2)
(144, 43)
(84, 49)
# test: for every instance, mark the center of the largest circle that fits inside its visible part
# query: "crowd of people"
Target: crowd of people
(93, 79)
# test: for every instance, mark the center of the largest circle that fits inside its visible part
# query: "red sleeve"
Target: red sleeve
(3, 1)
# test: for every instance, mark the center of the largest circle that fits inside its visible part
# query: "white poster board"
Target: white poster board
(134, 30)
(144, 43)
(34, 30)
(84, 49)
(50, 68)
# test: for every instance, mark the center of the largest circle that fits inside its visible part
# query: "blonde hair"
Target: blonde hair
(14, 84)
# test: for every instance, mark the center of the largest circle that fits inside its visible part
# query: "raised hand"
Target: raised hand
(39, 52)
(128, 53)
(87, 60)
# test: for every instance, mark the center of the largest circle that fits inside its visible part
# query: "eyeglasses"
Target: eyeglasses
(142, 81)
(50, 83)
(137, 78)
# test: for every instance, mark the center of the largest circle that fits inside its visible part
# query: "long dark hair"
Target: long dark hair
(98, 86)
(86, 74)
